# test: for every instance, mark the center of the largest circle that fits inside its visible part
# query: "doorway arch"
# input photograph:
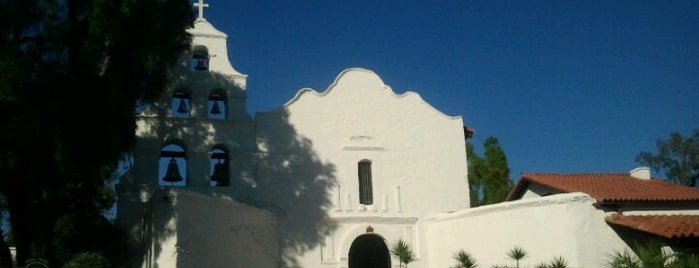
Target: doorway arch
(369, 251)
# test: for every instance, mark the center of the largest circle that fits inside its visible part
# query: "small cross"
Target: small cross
(201, 7)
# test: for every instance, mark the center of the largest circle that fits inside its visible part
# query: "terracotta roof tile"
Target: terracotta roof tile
(669, 226)
(608, 187)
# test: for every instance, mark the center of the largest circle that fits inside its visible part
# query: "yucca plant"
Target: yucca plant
(464, 259)
(558, 262)
(403, 252)
(623, 260)
(651, 254)
(516, 254)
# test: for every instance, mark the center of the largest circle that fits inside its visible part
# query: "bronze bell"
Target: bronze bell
(220, 175)
(202, 65)
(182, 107)
(215, 109)
(173, 172)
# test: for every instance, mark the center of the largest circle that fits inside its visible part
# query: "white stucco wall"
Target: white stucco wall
(335, 249)
(215, 232)
(417, 154)
(565, 225)
(214, 40)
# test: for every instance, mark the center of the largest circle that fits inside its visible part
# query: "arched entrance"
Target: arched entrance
(369, 251)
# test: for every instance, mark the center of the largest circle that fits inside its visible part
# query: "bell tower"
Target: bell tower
(198, 134)
(197, 137)
(196, 142)
(208, 62)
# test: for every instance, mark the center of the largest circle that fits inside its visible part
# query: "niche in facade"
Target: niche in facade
(219, 165)
(217, 105)
(181, 103)
(172, 166)
(200, 59)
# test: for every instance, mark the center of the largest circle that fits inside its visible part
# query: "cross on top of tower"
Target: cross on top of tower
(201, 7)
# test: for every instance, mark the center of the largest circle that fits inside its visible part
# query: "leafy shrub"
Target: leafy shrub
(88, 260)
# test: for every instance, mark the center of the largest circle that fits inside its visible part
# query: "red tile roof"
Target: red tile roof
(668, 226)
(608, 187)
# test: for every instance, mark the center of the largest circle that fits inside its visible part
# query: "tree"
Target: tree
(677, 158)
(62, 63)
(464, 259)
(403, 252)
(516, 254)
(488, 176)
(475, 186)
(88, 260)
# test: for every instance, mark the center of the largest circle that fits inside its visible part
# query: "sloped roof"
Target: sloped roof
(668, 226)
(608, 187)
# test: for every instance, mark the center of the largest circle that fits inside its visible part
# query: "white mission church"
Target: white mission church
(332, 179)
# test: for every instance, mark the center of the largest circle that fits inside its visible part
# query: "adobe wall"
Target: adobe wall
(565, 225)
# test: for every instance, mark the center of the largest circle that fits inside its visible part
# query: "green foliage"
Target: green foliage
(489, 175)
(516, 254)
(79, 230)
(677, 158)
(685, 260)
(558, 262)
(464, 259)
(88, 260)
(59, 62)
(403, 252)
(650, 254)
(475, 188)
(623, 260)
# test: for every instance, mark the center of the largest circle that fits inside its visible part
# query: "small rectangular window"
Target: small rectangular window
(365, 189)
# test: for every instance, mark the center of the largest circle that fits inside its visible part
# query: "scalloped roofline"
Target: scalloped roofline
(307, 90)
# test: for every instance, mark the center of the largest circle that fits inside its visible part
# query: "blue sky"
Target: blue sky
(565, 86)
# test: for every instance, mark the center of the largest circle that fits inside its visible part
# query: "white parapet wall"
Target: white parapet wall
(563, 225)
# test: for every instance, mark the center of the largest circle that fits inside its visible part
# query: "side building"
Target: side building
(583, 218)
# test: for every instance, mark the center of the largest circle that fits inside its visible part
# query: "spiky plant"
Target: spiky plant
(516, 254)
(558, 262)
(541, 265)
(403, 252)
(623, 260)
(464, 259)
(651, 254)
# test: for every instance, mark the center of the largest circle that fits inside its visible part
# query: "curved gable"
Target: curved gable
(206, 35)
(411, 145)
(357, 84)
